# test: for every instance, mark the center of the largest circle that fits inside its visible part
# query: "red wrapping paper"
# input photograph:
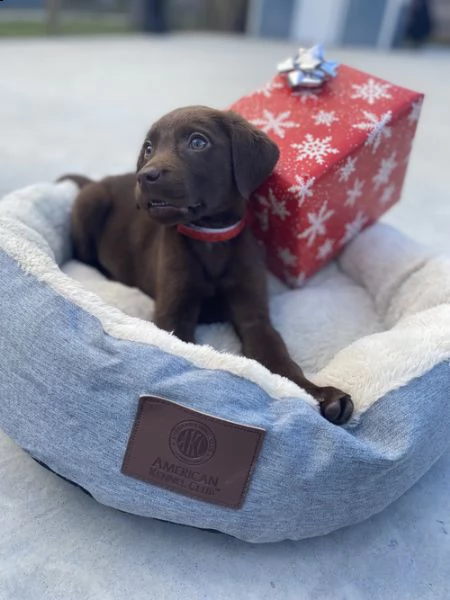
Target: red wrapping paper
(344, 153)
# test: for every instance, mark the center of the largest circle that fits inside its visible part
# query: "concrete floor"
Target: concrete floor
(84, 105)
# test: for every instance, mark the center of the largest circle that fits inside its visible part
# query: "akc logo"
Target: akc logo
(192, 442)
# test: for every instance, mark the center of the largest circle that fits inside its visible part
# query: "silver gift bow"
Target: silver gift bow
(308, 68)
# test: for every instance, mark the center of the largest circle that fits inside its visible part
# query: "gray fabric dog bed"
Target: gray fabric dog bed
(76, 356)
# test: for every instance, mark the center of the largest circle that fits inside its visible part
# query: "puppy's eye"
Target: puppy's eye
(197, 141)
(148, 148)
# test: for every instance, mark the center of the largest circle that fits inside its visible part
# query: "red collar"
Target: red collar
(209, 234)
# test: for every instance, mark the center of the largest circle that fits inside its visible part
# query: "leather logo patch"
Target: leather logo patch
(191, 453)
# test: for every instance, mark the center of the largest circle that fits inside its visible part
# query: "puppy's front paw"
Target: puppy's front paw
(335, 405)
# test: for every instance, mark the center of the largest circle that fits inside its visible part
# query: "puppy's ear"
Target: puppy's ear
(254, 154)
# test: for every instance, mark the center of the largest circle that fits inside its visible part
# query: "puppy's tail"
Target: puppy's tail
(80, 180)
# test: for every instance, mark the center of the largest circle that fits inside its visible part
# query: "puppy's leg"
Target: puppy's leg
(260, 341)
(177, 310)
(88, 218)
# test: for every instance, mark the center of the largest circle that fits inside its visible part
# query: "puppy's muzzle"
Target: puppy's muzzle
(147, 178)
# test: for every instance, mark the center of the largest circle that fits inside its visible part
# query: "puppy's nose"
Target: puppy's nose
(149, 175)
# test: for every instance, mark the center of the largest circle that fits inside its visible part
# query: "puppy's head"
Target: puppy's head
(199, 162)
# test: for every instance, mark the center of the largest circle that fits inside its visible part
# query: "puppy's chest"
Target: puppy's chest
(214, 258)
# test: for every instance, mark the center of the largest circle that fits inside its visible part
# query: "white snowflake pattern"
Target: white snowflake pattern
(347, 169)
(324, 117)
(267, 89)
(295, 281)
(414, 113)
(385, 169)
(354, 193)
(277, 207)
(371, 91)
(276, 123)
(262, 213)
(377, 128)
(286, 256)
(315, 148)
(352, 229)
(307, 95)
(263, 200)
(387, 194)
(263, 218)
(325, 249)
(317, 224)
(303, 188)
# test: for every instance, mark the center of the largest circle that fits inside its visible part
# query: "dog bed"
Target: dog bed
(76, 356)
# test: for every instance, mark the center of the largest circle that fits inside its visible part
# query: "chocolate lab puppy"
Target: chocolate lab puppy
(187, 246)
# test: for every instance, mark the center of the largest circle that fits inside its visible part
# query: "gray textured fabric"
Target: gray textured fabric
(71, 382)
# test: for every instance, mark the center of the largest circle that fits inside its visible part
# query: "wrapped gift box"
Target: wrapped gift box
(344, 153)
